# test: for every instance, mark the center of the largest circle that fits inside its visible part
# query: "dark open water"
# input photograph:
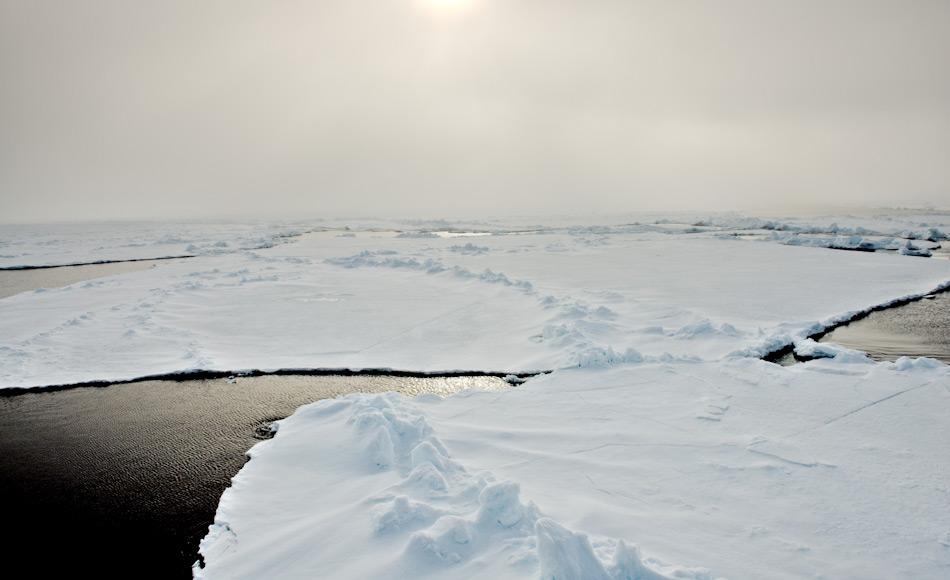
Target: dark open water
(123, 481)
(920, 328)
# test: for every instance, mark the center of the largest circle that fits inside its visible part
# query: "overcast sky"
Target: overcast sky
(162, 108)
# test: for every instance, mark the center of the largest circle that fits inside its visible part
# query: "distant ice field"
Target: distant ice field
(553, 298)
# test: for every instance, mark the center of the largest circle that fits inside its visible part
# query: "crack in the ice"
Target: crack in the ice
(864, 407)
(819, 329)
(644, 444)
(606, 491)
(874, 403)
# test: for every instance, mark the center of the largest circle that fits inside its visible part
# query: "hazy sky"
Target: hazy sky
(158, 108)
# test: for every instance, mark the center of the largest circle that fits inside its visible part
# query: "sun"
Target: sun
(448, 5)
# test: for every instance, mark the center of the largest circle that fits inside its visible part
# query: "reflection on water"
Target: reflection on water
(943, 252)
(129, 476)
(16, 281)
(920, 328)
(388, 233)
(460, 234)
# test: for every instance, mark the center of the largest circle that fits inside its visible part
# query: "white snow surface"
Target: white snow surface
(660, 446)
(68, 243)
(738, 469)
(535, 301)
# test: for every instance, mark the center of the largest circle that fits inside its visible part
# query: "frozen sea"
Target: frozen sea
(661, 445)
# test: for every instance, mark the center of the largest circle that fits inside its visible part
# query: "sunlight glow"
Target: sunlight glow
(448, 5)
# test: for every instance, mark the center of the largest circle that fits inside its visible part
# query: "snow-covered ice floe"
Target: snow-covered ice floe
(508, 303)
(64, 244)
(738, 469)
(402, 496)
(660, 446)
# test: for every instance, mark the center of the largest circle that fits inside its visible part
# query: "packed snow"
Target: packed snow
(525, 302)
(659, 447)
(737, 469)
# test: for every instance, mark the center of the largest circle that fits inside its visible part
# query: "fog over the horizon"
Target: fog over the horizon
(168, 108)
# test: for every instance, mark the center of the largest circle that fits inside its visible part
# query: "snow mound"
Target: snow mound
(469, 249)
(706, 328)
(905, 363)
(605, 357)
(911, 249)
(436, 514)
(851, 242)
(809, 348)
(389, 259)
(564, 554)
